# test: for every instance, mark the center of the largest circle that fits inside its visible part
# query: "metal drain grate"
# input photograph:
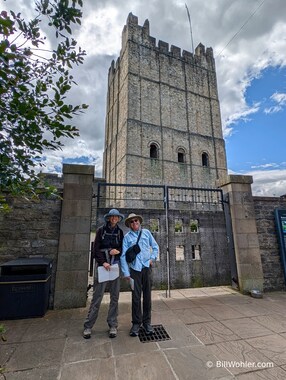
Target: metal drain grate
(159, 335)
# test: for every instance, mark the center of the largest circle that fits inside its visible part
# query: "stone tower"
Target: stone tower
(163, 123)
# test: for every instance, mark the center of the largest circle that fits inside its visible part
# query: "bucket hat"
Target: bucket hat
(132, 216)
(113, 212)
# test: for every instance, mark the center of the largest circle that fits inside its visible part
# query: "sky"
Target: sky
(248, 38)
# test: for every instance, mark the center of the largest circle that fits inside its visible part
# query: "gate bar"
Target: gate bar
(166, 203)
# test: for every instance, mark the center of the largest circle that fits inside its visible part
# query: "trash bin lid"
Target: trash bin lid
(26, 266)
(28, 261)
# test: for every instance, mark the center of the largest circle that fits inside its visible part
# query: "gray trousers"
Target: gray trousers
(98, 293)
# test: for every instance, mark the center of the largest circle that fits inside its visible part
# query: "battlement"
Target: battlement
(138, 34)
(141, 34)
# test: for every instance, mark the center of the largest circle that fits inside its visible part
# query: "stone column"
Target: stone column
(246, 244)
(74, 242)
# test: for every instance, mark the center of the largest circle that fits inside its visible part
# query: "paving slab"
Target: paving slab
(238, 356)
(194, 315)
(36, 354)
(246, 327)
(212, 332)
(191, 363)
(50, 373)
(146, 365)
(265, 374)
(215, 333)
(97, 369)
(272, 346)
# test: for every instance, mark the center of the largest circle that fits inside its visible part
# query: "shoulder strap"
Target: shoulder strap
(107, 257)
(139, 236)
(103, 231)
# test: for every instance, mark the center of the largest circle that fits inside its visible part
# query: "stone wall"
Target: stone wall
(209, 266)
(197, 258)
(268, 241)
(31, 229)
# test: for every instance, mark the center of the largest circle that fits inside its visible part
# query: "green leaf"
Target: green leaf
(33, 90)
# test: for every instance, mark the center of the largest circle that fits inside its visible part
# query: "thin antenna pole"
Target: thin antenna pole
(189, 17)
(240, 29)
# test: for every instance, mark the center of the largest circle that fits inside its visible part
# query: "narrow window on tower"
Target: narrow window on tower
(154, 151)
(181, 155)
(205, 159)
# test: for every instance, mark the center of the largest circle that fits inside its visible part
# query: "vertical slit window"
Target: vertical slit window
(181, 155)
(154, 153)
(205, 159)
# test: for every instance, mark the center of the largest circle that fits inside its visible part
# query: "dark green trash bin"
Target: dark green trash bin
(25, 287)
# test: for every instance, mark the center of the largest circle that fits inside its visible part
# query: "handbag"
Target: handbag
(133, 251)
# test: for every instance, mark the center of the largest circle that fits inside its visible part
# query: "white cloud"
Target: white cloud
(279, 98)
(258, 45)
(100, 32)
(268, 183)
(242, 115)
(273, 109)
(265, 166)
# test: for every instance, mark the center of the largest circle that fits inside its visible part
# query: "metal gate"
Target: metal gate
(190, 225)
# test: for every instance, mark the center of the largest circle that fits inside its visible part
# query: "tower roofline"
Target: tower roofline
(132, 31)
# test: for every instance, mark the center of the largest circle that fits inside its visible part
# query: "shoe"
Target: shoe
(134, 329)
(148, 329)
(86, 333)
(112, 332)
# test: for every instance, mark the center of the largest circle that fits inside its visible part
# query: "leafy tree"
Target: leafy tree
(34, 83)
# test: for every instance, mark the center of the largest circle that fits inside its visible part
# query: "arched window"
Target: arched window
(181, 155)
(205, 159)
(154, 151)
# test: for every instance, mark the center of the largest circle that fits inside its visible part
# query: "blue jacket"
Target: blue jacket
(149, 251)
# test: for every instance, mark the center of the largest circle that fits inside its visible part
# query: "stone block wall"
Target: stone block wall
(36, 229)
(32, 229)
(210, 267)
(268, 241)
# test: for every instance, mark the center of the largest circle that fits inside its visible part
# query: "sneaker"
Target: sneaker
(86, 333)
(148, 329)
(112, 332)
(134, 329)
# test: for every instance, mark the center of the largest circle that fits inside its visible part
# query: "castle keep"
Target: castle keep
(163, 123)
(163, 128)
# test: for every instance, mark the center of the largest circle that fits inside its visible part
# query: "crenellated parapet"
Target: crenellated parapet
(141, 34)
(132, 32)
(112, 69)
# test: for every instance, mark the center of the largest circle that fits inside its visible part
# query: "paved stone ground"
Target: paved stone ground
(216, 333)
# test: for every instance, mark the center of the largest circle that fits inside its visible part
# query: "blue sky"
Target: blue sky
(258, 142)
(260, 139)
(248, 40)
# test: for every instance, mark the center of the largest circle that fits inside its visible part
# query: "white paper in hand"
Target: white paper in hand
(108, 275)
(131, 283)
